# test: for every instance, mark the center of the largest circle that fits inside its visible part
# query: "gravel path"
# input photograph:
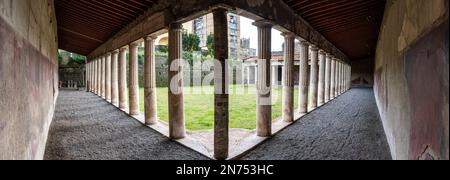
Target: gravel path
(86, 127)
(347, 128)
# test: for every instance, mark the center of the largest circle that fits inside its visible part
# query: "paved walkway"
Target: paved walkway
(86, 127)
(347, 128)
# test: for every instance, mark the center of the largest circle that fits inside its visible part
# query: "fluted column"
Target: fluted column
(350, 77)
(327, 77)
(91, 75)
(313, 86)
(338, 70)
(340, 78)
(94, 70)
(322, 62)
(303, 84)
(115, 77)
(333, 78)
(176, 98)
(99, 76)
(264, 85)
(221, 96)
(87, 76)
(133, 86)
(104, 77)
(150, 81)
(123, 78)
(108, 77)
(288, 79)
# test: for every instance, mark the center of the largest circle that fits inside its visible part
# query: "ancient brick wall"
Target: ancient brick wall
(411, 78)
(28, 76)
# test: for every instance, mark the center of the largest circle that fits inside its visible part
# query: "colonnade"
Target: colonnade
(329, 77)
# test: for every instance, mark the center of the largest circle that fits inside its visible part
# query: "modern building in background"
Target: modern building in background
(204, 26)
(246, 50)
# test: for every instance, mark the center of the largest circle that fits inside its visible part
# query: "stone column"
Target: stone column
(115, 77)
(336, 78)
(87, 76)
(264, 85)
(123, 78)
(221, 96)
(94, 88)
(343, 78)
(176, 98)
(288, 79)
(150, 82)
(341, 74)
(303, 84)
(133, 86)
(313, 86)
(339, 84)
(322, 62)
(327, 77)
(91, 75)
(350, 77)
(104, 77)
(333, 78)
(108, 76)
(99, 76)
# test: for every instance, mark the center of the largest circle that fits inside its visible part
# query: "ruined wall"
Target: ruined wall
(28, 76)
(362, 72)
(411, 78)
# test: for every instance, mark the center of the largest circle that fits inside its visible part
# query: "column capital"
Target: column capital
(115, 52)
(176, 26)
(330, 56)
(122, 49)
(314, 47)
(304, 43)
(150, 37)
(322, 52)
(107, 54)
(134, 44)
(263, 24)
(288, 34)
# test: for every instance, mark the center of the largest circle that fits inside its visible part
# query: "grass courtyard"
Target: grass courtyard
(199, 107)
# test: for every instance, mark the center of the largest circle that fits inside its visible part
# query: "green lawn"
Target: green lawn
(199, 108)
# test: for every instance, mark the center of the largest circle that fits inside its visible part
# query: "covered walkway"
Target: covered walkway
(87, 127)
(348, 128)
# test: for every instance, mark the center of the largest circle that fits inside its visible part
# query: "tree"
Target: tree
(210, 45)
(191, 42)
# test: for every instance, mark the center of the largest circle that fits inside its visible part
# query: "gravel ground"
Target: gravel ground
(347, 128)
(86, 127)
